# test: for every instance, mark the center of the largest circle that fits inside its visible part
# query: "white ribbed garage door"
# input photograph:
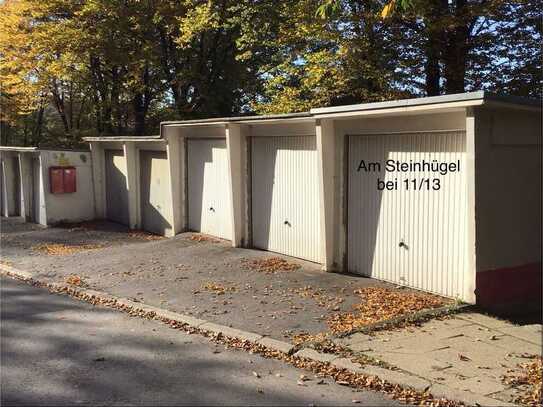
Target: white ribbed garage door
(155, 193)
(411, 237)
(285, 199)
(208, 187)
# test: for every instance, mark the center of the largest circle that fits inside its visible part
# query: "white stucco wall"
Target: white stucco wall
(70, 207)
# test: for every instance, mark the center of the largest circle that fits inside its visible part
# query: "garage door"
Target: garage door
(209, 205)
(412, 232)
(285, 199)
(156, 199)
(116, 187)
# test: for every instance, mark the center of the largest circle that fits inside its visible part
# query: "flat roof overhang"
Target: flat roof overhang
(123, 138)
(445, 103)
(19, 149)
(426, 105)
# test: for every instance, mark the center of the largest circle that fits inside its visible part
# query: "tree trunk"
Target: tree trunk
(456, 50)
(434, 45)
(39, 124)
(431, 66)
(139, 115)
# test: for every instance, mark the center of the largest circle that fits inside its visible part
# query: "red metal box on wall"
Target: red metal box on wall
(62, 180)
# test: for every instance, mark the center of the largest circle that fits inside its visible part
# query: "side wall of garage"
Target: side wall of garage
(68, 207)
(508, 208)
(132, 177)
(11, 183)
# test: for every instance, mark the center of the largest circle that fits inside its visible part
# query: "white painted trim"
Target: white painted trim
(175, 151)
(236, 147)
(470, 285)
(326, 146)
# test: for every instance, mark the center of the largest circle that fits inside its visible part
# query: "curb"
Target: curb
(392, 377)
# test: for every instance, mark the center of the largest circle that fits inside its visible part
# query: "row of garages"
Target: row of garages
(26, 187)
(341, 187)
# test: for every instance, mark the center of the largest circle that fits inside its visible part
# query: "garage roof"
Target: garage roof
(444, 101)
(455, 101)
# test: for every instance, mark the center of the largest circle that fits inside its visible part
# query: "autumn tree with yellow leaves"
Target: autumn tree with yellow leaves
(96, 67)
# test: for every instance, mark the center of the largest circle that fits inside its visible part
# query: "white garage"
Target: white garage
(455, 214)
(116, 187)
(155, 195)
(409, 227)
(285, 196)
(208, 187)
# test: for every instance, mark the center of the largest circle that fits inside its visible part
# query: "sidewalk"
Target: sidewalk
(469, 352)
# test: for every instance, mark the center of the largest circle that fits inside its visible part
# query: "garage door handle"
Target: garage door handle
(211, 209)
(287, 223)
(402, 244)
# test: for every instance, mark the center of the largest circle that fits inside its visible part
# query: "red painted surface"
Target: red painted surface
(56, 177)
(513, 285)
(62, 180)
(69, 180)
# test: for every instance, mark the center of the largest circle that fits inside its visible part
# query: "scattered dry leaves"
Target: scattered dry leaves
(271, 265)
(76, 280)
(319, 295)
(59, 249)
(304, 337)
(218, 288)
(144, 235)
(381, 304)
(80, 226)
(320, 369)
(198, 237)
(528, 382)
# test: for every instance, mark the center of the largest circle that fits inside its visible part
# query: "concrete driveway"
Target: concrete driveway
(207, 279)
(59, 351)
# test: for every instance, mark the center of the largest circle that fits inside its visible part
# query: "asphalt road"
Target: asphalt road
(56, 350)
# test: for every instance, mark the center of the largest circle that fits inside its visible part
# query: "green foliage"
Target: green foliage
(114, 67)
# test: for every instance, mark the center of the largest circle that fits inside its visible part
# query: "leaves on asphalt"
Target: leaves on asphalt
(144, 235)
(217, 288)
(320, 369)
(271, 265)
(76, 280)
(59, 249)
(198, 237)
(380, 304)
(320, 297)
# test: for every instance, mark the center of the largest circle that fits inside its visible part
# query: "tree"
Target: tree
(461, 38)
(347, 59)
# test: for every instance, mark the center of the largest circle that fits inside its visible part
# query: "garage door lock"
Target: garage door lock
(287, 223)
(212, 209)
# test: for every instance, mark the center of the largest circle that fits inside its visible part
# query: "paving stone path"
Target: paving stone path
(470, 352)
